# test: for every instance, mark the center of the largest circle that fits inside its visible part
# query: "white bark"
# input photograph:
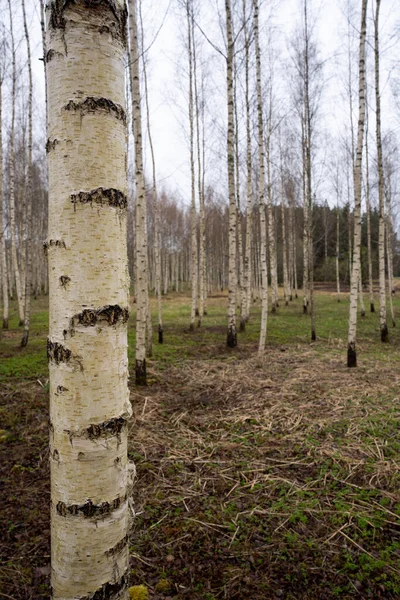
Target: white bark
(3, 265)
(15, 265)
(89, 295)
(355, 281)
(232, 279)
(261, 184)
(142, 294)
(381, 245)
(28, 227)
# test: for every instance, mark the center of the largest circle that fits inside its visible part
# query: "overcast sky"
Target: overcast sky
(164, 43)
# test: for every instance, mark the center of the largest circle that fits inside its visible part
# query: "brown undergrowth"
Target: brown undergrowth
(256, 479)
(268, 479)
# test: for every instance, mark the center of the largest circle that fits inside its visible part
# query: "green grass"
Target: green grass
(288, 327)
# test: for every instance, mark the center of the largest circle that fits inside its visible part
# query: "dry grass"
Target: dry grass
(254, 476)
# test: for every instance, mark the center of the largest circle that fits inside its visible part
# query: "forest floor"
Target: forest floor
(272, 478)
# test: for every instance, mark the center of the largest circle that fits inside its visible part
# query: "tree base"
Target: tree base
(5, 323)
(242, 326)
(140, 372)
(231, 340)
(21, 322)
(197, 312)
(305, 309)
(313, 335)
(199, 323)
(205, 312)
(191, 327)
(286, 302)
(290, 297)
(160, 334)
(384, 334)
(372, 306)
(273, 309)
(25, 337)
(351, 355)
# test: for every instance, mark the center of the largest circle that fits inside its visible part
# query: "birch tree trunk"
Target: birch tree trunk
(337, 251)
(200, 184)
(15, 265)
(28, 225)
(194, 249)
(142, 294)
(381, 244)
(368, 211)
(3, 265)
(89, 295)
(261, 184)
(355, 280)
(157, 217)
(232, 279)
(389, 252)
(249, 191)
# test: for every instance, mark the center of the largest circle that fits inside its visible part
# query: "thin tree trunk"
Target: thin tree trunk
(381, 244)
(286, 287)
(232, 279)
(201, 246)
(15, 265)
(3, 265)
(28, 227)
(261, 184)
(157, 257)
(249, 191)
(355, 281)
(368, 211)
(337, 251)
(89, 302)
(389, 255)
(306, 227)
(141, 208)
(194, 248)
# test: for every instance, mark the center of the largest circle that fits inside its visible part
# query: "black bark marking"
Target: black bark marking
(117, 30)
(231, 340)
(102, 196)
(140, 372)
(51, 144)
(109, 590)
(61, 389)
(64, 280)
(57, 353)
(107, 429)
(160, 334)
(118, 547)
(56, 455)
(110, 315)
(52, 54)
(53, 244)
(372, 306)
(351, 355)
(91, 105)
(384, 334)
(89, 510)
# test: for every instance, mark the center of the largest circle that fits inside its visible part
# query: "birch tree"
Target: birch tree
(261, 185)
(3, 265)
(14, 258)
(381, 190)
(355, 279)
(232, 280)
(142, 294)
(28, 224)
(89, 295)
